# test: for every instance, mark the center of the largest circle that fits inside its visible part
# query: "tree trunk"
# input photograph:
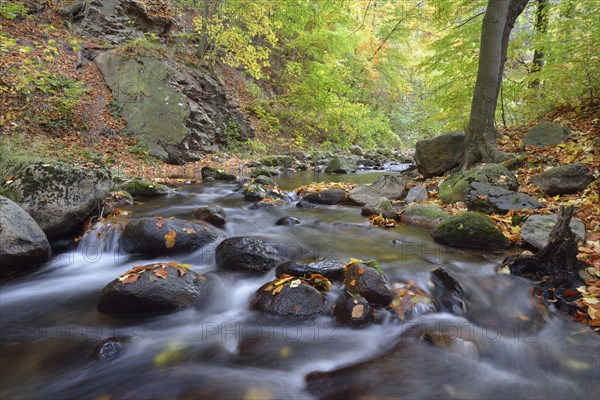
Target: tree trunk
(204, 40)
(480, 141)
(541, 26)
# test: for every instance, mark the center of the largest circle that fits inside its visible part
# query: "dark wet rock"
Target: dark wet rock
(305, 204)
(295, 299)
(257, 192)
(563, 179)
(369, 282)
(440, 154)
(287, 221)
(416, 194)
(545, 133)
(330, 269)
(410, 301)
(423, 216)
(248, 254)
(449, 294)
(353, 310)
(341, 165)
(470, 230)
(214, 214)
(382, 206)
(155, 288)
(114, 200)
(536, 230)
(327, 197)
(217, 175)
(147, 236)
(363, 194)
(107, 349)
(23, 244)
(265, 171)
(264, 180)
(390, 186)
(141, 187)
(263, 204)
(493, 199)
(454, 188)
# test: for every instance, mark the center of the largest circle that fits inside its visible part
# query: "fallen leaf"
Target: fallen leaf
(277, 289)
(170, 239)
(189, 231)
(160, 224)
(131, 278)
(358, 310)
(161, 273)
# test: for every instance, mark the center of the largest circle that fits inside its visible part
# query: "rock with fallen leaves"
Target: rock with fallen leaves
(288, 297)
(249, 254)
(536, 230)
(410, 301)
(367, 279)
(154, 288)
(331, 269)
(493, 199)
(353, 310)
(563, 179)
(382, 207)
(364, 194)
(142, 187)
(470, 230)
(425, 216)
(328, 197)
(158, 236)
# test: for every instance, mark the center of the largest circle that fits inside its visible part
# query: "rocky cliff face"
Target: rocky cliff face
(178, 112)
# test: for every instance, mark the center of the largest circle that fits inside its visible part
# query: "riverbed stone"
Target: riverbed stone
(440, 154)
(382, 206)
(294, 299)
(327, 197)
(353, 310)
(536, 230)
(363, 194)
(213, 214)
(545, 133)
(160, 236)
(151, 289)
(211, 173)
(369, 282)
(390, 186)
(356, 150)
(425, 216)
(564, 179)
(248, 254)
(493, 199)
(454, 188)
(416, 194)
(341, 165)
(470, 230)
(142, 187)
(287, 221)
(330, 269)
(23, 244)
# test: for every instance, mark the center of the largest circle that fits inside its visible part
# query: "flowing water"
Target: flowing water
(503, 345)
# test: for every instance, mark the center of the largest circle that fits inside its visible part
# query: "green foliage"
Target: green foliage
(12, 9)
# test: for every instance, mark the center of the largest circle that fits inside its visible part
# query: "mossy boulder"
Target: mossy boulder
(423, 216)
(545, 133)
(214, 174)
(58, 196)
(470, 230)
(382, 206)
(341, 165)
(453, 189)
(141, 187)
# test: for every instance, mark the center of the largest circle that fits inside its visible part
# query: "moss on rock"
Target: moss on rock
(470, 230)
(140, 187)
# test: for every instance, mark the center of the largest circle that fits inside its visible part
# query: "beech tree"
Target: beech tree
(480, 141)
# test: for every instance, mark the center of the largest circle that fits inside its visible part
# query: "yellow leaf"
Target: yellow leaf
(170, 239)
(358, 310)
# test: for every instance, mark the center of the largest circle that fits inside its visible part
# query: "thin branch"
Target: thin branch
(363, 20)
(389, 35)
(470, 19)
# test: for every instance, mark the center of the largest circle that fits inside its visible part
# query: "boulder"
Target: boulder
(140, 187)
(151, 289)
(114, 200)
(159, 236)
(454, 188)
(382, 206)
(423, 216)
(59, 196)
(410, 301)
(470, 230)
(440, 154)
(119, 20)
(563, 179)
(23, 243)
(341, 165)
(356, 150)
(256, 192)
(545, 133)
(363, 194)
(178, 113)
(417, 194)
(330, 269)
(327, 196)
(493, 199)
(536, 230)
(248, 254)
(306, 205)
(287, 221)
(294, 299)
(214, 214)
(265, 171)
(368, 281)
(264, 180)
(390, 186)
(210, 173)
(353, 310)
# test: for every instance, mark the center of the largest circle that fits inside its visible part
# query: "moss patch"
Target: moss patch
(470, 230)
(140, 187)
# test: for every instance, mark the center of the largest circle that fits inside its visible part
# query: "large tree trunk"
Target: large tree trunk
(480, 142)
(541, 26)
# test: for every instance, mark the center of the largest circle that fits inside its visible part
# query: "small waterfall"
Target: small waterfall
(102, 237)
(290, 197)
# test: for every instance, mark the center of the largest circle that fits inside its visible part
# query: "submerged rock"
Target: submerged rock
(248, 254)
(327, 196)
(157, 236)
(470, 230)
(153, 288)
(212, 214)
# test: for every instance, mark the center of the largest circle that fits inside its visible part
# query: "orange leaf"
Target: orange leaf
(360, 271)
(170, 239)
(160, 224)
(161, 272)
(182, 271)
(131, 278)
